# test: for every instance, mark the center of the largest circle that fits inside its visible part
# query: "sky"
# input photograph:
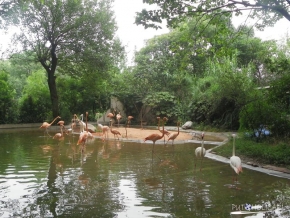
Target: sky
(133, 36)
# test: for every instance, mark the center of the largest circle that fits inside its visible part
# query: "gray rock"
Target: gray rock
(187, 125)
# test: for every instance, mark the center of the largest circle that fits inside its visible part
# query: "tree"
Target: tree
(6, 98)
(19, 67)
(34, 102)
(220, 95)
(77, 37)
(268, 12)
(7, 7)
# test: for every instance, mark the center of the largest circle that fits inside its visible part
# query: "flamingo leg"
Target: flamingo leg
(46, 130)
(153, 152)
(201, 164)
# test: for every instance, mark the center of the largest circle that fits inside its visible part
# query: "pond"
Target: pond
(41, 178)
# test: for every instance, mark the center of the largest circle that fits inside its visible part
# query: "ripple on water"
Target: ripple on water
(133, 204)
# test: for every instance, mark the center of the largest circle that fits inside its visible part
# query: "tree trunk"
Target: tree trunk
(53, 93)
(50, 69)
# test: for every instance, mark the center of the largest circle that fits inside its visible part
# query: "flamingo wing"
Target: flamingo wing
(172, 136)
(236, 164)
(153, 137)
(200, 152)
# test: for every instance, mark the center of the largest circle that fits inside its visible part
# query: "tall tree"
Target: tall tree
(74, 37)
(268, 12)
(7, 6)
(6, 98)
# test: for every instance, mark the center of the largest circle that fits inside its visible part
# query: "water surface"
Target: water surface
(40, 177)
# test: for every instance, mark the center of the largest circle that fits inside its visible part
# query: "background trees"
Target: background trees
(7, 103)
(204, 70)
(267, 12)
(69, 37)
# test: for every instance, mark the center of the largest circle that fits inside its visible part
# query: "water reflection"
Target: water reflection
(40, 178)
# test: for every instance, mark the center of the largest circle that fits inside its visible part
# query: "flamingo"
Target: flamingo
(235, 161)
(200, 151)
(164, 130)
(129, 120)
(82, 123)
(118, 116)
(61, 123)
(154, 137)
(105, 130)
(46, 125)
(68, 132)
(173, 135)
(115, 132)
(59, 136)
(111, 116)
(84, 135)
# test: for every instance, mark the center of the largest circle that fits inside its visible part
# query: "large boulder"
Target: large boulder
(187, 125)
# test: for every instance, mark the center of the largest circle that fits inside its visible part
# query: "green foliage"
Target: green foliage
(255, 113)
(266, 11)
(35, 102)
(77, 96)
(220, 95)
(162, 104)
(20, 66)
(75, 38)
(7, 103)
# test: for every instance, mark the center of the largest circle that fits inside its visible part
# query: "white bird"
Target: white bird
(84, 135)
(200, 151)
(105, 130)
(235, 161)
(118, 116)
(82, 123)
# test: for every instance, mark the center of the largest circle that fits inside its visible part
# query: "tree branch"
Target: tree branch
(278, 8)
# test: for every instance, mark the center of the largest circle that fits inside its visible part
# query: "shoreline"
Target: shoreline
(189, 138)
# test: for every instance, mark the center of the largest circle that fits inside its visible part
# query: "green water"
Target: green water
(40, 178)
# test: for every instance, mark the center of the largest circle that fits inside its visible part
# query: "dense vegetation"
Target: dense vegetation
(204, 70)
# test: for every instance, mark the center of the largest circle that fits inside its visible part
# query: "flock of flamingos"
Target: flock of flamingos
(86, 133)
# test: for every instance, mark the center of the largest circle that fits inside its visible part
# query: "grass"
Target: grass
(268, 151)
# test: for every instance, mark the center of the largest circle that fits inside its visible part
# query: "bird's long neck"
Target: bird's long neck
(53, 120)
(234, 146)
(86, 121)
(162, 130)
(74, 119)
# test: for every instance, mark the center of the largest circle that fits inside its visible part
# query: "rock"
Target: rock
(187, 125)
(252, 164)
(91, 128)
